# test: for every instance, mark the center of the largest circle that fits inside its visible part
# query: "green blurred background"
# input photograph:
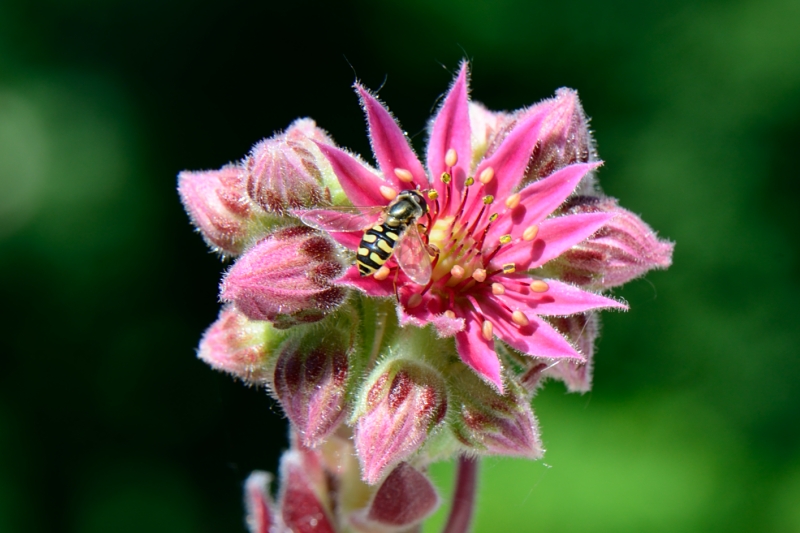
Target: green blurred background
(109, 423)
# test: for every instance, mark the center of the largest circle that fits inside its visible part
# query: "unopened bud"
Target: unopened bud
(499, 425)
(623, 249)
(258, 502)
(286, 171)
(564, 139)
(304, 506)
(239, 346)
(401, 404)
(310, 384)
(286, 278)
(404, 499)
(217, 204)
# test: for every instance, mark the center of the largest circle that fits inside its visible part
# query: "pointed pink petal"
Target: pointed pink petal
(368, 284)
(560, 299)
(511, 158)
(538, 338)
(451, 130)
(478, 353)
(555, 236)
(538, 200)
(360, 185)
(390, 144)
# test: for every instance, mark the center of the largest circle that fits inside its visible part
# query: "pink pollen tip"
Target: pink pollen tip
(451, 158)
(487, 330)
(479, 275)
(388, 192)
(404, 175)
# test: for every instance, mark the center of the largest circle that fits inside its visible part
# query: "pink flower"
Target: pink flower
(487, 230)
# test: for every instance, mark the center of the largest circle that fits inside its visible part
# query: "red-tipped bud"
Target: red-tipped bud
(286, 171)
(400, 405)
(310, 384)
(565, 138)
(624, 249)
(285, 278)
(239, 346)
(258, 502)
(405, 498)
(217, 203)
(304, 505)
(499, 425)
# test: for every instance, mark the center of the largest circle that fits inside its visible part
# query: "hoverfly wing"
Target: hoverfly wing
(412, 256)
(339, 218)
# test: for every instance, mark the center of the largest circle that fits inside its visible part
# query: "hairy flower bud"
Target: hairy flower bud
(217, 203)
(404, 499)
(286, 171)
(310, 384)
(259, 504)
(239, 346)
(304, 506)
(498, 425)
(401, 404)
(565, 139)
(286, 278)
(621, 250)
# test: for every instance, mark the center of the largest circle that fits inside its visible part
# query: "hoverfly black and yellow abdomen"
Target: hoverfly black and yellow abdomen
(377, 245)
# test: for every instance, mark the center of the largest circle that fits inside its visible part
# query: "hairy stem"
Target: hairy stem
(463, 506)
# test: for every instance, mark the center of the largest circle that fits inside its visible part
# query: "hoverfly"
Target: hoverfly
(388, 231)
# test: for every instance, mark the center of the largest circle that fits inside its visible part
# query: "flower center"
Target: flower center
(458, 251)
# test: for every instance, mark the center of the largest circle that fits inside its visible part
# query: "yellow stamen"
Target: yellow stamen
(449, 314)
(530, 232)
(469, 181)
(488, 199)
(382, 273)
(509, 268)
(404, 174)
(519, 318)
(451, 158)
(486, 175)
(432, 194)
(388, 193)
(539, 286)
(498, 289)
(505, 239)
(513, 201)
(493, 217)
(479, 275)
(457, 271)
(414, 301)
(487, 330)
(446, 177)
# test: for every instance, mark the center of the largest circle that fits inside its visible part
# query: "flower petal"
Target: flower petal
(537, 338)
(368, 284)
(390, 145)
(554, 237)
(361, 186)
(451, 130)
(560, 299)
(538, 200)
(478, 353)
